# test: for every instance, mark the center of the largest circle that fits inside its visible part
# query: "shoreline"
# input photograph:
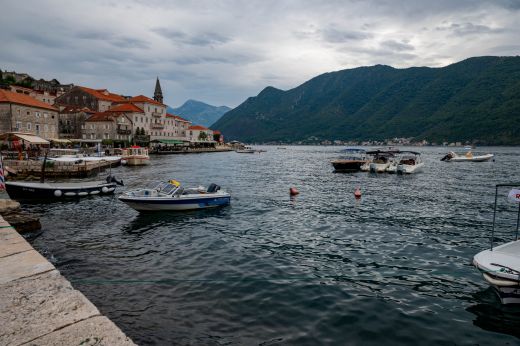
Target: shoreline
(39, 306)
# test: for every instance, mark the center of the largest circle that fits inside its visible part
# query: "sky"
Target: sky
(222, 52)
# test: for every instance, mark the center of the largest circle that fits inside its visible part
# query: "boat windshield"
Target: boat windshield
(168, 188)
(156, 185)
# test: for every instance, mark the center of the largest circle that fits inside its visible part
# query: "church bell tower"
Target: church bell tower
(157, 95)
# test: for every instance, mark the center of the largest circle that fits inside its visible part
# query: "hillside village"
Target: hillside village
(66, 113)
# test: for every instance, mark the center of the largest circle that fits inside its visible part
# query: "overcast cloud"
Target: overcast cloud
(222, 52)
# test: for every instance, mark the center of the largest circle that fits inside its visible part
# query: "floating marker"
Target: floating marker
(357, 193)
(293, 191)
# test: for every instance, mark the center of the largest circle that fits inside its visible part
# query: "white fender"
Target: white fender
(58, 193)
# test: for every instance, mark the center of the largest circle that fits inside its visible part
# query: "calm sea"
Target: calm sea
(322, 268)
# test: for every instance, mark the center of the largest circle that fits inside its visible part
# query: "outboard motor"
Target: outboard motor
(212, 188)
(448, 156)
(112, 179)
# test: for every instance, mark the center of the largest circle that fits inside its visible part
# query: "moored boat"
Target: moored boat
(245, 150)
(382, 160)
(468, 157)
(135, 156)
(500, 265)
(26, 190)
(352, 162)
(171, 196)
(410, 163)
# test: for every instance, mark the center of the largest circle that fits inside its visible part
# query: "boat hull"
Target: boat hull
(378, 167)
(175, 204)
(136, 160)
(347, 165)
(409, 169)
(37, 191)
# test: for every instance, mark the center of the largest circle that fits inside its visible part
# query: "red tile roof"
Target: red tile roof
(100, 94)
(21, 99)
(103, 116)
(168, 115)
(75, 109)
(216, 132)
(126, 107)
(142, 98)
(197, 127)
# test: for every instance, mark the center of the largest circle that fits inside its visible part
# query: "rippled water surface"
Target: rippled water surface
(323, 268)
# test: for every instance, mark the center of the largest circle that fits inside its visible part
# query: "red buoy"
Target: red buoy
(357, 193)
(293, 191)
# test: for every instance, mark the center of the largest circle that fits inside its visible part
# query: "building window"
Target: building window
(92, 126)
(46, 127)
(92, 136)
(37, 128)
(29, 126)
(84, 136)
(83, 126)
(45, 115)
(18, 126)
(28, 113)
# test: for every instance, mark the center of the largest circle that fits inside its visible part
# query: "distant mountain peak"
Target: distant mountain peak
(199, 113)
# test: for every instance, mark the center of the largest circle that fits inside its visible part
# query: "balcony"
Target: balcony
(157, 126)
(156, 114)
(124, 132)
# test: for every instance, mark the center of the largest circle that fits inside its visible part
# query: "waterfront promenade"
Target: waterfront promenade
(38, 306)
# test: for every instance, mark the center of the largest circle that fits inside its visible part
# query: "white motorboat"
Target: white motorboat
(500, 265)
(135, 156)
(164, 196)
(382, 160)
(410, 163)
(245, 150)
(392, 168)
(468, 157)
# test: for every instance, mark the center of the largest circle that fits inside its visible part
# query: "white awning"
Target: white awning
(27, 137)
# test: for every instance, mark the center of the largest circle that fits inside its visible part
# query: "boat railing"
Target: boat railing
(495, 211)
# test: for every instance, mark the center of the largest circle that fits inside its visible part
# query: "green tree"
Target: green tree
(203, 136)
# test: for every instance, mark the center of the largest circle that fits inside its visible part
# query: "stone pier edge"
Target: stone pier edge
(38, 306)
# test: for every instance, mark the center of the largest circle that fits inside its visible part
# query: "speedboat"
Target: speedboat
(392, 168)
(245, 150)
(382, 160)
(26, 190)
(355, 158)
(500, 265)
(135, 156)
(171, 195)
(468, 157)
(410, 163)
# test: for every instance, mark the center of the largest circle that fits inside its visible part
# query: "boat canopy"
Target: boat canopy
(354, 150)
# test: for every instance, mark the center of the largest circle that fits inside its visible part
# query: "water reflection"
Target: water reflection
(492, 315)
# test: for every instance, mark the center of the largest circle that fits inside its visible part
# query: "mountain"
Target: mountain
(476, 100)
(199, 113)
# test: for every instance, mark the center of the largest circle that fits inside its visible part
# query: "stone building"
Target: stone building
(71, 120)
(41, 95)
(198, 134)
(176, 128)
(153, 118)
(98, 100)
(112, 127)
(22, 113)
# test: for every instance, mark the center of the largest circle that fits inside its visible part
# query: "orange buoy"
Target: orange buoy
(357, 193)
(293, 191)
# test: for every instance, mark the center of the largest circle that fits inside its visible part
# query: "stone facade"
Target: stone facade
(44, 96)
(108, 126)
(71, 121)
(98, 100)
(153, 118)
(22, 113)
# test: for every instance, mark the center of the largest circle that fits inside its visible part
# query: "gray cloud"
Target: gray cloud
(223, 52)
(199, 39)
(465, 29)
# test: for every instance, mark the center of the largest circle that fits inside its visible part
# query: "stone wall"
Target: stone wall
(38, 121)
(78, 98)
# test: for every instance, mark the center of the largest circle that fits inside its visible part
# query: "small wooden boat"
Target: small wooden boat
(171, 196)
(135, 156)
(26, 190)
(44, 191)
